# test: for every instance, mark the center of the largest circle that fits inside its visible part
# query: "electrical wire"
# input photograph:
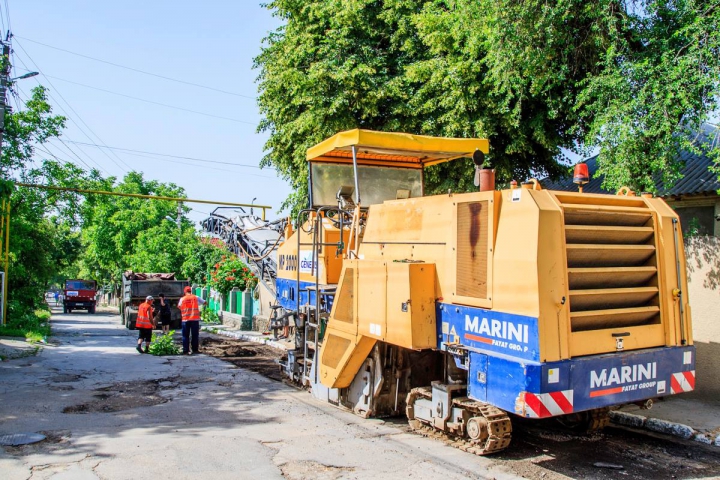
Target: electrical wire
(137, 70)
(150, 101)
(195, 165)
(18, 101)
(64, 144)
(72, 152)
(138, 153)
(61, 160)
(72, 109)
(168, 155)
(67, 115)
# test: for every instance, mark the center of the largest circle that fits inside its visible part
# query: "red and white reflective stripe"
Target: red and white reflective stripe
(682, 382)
(541, 405)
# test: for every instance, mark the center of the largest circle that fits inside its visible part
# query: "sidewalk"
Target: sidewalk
(250, 336)
(16, 347)
(678, 416)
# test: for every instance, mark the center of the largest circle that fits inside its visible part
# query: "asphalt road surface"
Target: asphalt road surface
(111, 413)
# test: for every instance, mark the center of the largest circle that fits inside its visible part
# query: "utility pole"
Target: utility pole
(179, 215)
(5, 218)
(4, 74)
(5, 80)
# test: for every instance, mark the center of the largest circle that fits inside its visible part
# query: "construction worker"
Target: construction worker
(144, 324)
(189, 307)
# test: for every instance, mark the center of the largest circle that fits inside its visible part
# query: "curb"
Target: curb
(245, 337)
(663, 426)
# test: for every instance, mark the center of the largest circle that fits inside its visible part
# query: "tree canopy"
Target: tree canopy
(59, 234)
(633, 79)
(42, 235)
(121, 233)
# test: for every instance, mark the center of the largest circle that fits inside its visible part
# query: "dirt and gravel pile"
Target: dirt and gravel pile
(257, 358)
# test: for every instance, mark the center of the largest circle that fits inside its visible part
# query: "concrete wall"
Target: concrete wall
(698, 211)
(703, 265)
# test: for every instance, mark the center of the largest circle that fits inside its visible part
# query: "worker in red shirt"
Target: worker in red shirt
(189, 306)
(144, 324)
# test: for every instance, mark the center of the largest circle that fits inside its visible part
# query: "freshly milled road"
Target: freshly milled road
(111, 413)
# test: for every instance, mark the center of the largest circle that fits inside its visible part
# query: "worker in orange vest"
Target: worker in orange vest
(144, 324)
(189, 306)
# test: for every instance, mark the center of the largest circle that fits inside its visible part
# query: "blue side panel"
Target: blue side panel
(585, 383)
(504, 367)
(488, 330)
(287, 291)
(605, 380)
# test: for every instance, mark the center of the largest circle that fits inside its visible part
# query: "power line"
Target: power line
(137, 70)
(150, 101)
(71, 108)
(47, 144)
(168, 155)
(104, 146)
(78, 157)
(59, 105)
(175, 162)
(61, 160)
(64, 144)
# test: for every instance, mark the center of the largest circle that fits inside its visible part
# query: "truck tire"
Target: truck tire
(130, 318)
(91, 310)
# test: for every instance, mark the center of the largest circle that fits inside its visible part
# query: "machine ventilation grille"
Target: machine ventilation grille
(472, 249)
(612, 263)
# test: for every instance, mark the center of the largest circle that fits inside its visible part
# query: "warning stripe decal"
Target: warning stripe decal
(542, 405)
(682, 382)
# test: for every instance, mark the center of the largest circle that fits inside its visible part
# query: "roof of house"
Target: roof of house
(696, 175)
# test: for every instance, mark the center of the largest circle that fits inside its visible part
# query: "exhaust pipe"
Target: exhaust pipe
(484, 175)
(487, 179)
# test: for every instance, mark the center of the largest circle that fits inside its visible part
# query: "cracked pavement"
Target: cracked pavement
(111, 413)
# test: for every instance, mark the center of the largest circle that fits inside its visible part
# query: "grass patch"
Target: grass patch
(164, 344)
(34, 327)
(34, 337)
(210, 316)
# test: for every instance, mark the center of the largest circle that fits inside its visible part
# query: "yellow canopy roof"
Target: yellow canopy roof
(394, 149)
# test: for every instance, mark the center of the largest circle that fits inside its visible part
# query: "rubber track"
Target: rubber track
(599, 419)
(499, 427)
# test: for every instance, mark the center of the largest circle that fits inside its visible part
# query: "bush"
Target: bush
(164, 344)
(209, 316)
(229, 273)
(30, 325)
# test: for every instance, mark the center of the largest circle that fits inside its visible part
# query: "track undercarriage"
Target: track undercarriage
(472, 426)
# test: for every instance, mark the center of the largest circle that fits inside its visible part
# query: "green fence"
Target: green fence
(233, 302)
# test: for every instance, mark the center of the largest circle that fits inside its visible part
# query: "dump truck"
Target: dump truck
(137, 286)
(79, 295)
(464, 311)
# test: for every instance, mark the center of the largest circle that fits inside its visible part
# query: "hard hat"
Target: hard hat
(149, 297)
(188, 289)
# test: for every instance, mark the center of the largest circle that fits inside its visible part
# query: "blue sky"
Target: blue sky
(207, 43)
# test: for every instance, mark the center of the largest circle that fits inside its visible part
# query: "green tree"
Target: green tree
(534, 77)
(43, 239)
(201, 258)
(127, 233)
